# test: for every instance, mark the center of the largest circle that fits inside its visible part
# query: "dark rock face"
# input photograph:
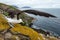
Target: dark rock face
(35, 12)
(14, 12)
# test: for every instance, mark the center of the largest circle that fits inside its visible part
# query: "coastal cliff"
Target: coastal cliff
(21, 31)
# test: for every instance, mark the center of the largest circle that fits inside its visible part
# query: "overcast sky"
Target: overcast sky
(34, 3)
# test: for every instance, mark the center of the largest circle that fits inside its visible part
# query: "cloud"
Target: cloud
(34, 3)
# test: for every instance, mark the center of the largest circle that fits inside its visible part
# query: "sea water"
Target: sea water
(49, 24)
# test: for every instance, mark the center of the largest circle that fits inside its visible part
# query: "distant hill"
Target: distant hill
(26, 7)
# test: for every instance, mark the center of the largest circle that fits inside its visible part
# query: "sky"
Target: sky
(33, 3)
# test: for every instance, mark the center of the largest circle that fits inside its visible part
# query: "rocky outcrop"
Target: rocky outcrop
(35, 12)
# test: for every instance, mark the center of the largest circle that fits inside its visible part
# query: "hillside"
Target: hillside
(21, 31)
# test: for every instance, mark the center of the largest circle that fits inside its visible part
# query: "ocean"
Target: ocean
(49, 24)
